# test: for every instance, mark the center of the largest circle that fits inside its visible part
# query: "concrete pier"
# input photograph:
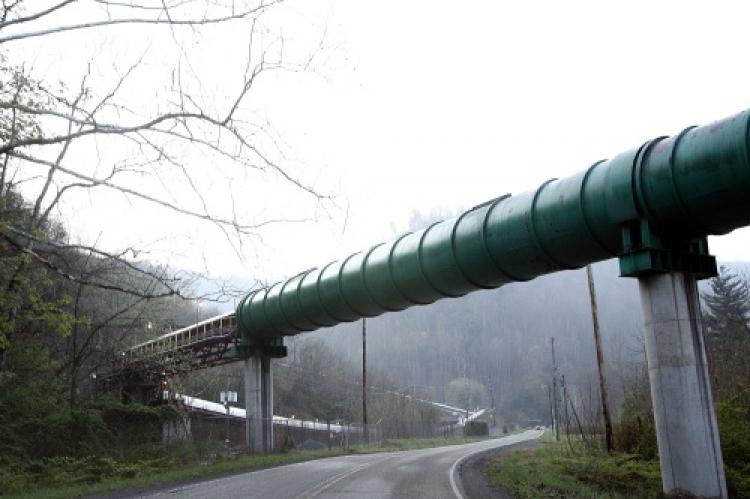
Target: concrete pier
(259, 404)
(253, 421)
(686, 430)
(266, 402)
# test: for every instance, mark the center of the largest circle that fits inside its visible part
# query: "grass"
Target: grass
(555, 472)
(174, 475)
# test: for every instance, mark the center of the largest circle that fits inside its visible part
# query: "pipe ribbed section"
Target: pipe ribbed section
(691, 185)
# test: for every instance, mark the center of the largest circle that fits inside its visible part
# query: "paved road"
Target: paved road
(407, 474)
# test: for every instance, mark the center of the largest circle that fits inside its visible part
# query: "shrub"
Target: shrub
(635, 432)
(733, 416)
(636, 435)
(476, 429)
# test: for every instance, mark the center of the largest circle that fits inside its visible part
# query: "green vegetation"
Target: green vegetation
(69, 477)
(87, 444)
(476, 429)
(734, 427)
(727, 319)
(635, 433)
(727, 306)
(75, 478)
(60, 436)
(581, 469)
(553, 471)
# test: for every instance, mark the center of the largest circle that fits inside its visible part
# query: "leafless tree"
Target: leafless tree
(41, 124)
(62, 135)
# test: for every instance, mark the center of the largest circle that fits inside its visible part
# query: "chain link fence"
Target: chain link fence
(212, 434)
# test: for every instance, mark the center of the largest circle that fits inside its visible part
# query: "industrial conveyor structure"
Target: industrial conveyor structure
(208, 343)
(651, 207)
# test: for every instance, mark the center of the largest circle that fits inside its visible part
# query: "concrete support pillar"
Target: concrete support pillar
(266, 395)
(253, 421)
(686, 429)
(258, 404)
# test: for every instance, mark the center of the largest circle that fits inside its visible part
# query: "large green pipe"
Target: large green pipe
(683, 188)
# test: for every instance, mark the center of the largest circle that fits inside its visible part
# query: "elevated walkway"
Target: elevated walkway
(205, 344)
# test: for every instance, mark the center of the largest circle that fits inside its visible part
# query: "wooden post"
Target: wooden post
(551, 409)
(600, 359)
(555, 395)
(565, 414)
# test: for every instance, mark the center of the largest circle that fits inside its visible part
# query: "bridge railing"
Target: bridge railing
(206, 342)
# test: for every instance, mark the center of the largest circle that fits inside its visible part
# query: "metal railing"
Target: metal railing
(204, 344)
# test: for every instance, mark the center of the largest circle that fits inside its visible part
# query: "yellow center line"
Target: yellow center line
(321, 487)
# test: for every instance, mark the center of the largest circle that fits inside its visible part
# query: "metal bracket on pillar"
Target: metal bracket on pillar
(645, 252)
(275, 349)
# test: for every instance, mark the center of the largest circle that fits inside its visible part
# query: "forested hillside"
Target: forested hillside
(501, 339)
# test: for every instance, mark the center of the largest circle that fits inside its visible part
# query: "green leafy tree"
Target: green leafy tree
(467, 393)
(727, 306)
(31, 300)
(727, 319)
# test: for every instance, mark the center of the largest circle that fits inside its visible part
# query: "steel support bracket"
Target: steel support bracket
(645, 252)
(274, 349)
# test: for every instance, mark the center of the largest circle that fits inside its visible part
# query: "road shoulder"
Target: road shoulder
(471, 477)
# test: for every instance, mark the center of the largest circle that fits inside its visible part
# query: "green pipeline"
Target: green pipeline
(688, 186)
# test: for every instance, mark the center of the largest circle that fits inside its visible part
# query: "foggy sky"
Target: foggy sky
(428, 105)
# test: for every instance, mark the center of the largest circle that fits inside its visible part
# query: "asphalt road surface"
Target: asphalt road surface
(428, 473)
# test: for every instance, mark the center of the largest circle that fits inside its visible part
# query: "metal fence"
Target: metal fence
(394, 430)
(213, 434)
(316, 435)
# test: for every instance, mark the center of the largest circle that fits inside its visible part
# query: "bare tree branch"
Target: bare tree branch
(242, 228)
(66, 275)
(147, 21)
(38, 15)
(132, 5)
(63, 151)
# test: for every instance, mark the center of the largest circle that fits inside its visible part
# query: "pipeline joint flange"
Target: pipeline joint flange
(645, 252)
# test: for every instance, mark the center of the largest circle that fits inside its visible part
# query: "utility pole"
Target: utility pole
(491, 386)
(364, 380)
(551, 410)
(555, 396)
(565, 414)
(226, 407)
(600, 359)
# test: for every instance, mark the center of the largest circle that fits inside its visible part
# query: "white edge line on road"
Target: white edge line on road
(452, 471)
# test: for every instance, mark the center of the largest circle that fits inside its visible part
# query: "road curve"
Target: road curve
(405, 474)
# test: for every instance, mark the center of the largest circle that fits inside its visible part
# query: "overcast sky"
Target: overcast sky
(433, 106)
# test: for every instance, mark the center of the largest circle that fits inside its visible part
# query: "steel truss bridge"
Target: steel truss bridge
(208, 343)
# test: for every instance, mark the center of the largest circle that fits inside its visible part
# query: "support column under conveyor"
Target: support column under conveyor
(259, 437)
(652, 207)
(686, 429)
